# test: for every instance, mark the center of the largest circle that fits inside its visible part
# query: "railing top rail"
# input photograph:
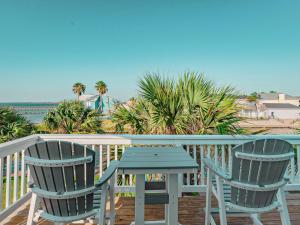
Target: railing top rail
(116, 139)
(17, 145)
(164, 139)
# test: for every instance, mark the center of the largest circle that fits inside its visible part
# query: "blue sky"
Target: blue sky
(47, 45)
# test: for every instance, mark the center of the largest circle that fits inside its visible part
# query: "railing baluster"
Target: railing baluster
(202, 165)
(223, 157)
(188, 182)
(107, 155)
(123, 175)
(216, 154)
(8, 181)
(94, 149)
(116, 152)
(208, 151)
(116, 158)
(130, 175)
(293, 171)
(23, 175)
(100, 160)
(1, 182)
(298, 162)
(195, 157)
(16, 176)
(229, 160)
(130, 179)
(28, 178)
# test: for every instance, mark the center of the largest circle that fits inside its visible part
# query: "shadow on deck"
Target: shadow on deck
(190, 212)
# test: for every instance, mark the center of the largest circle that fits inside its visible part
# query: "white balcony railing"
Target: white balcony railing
(14, 174)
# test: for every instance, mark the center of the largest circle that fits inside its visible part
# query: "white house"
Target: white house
(94, 101)
(90, 101)
(271, 105)
(278, 98)
(251, 109)
(282, 111)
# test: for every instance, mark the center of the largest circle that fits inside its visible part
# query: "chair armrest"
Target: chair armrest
(109, 172)
(219, 171)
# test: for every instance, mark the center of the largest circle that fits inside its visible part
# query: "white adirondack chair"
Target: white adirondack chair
(63, 175)
(255, 183)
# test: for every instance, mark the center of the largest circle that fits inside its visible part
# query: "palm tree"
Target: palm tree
(166, 105)
(13, 125)
(210, 109)
(193, 105)
(102, 89)
(78, 89)
(72, 117)
(133, 118)
(219, 115)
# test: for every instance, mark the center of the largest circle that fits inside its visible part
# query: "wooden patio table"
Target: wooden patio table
(171, 161)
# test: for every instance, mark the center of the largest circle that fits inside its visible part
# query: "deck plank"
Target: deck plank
(190, 212)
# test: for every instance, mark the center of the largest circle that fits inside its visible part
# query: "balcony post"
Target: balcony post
(180, 178)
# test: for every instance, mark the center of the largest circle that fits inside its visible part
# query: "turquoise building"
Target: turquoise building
(96, 102)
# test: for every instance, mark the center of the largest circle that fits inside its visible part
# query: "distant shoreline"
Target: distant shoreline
(7, 103)
(33, 111)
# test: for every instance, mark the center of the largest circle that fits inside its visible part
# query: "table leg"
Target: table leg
(173, 199)
(139, 199)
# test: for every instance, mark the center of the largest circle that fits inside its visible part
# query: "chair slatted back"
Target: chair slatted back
(63, 179)
(258, 172)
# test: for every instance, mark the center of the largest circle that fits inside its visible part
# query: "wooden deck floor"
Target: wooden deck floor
(190, 212)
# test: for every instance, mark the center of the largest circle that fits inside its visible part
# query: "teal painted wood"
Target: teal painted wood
(156, 198)
(261, 173)
(53, 153)
(79, 176)
(90, 169)
(108, 173)
(256, 181)
(137, 158)
(66, 153)
(66, 192)
(37, 174)
(61, 180)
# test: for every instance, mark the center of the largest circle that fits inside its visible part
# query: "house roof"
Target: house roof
(88, 98)
(246, 105)
(289, 97)
(268, 96)
(275, 96)
(281, 106)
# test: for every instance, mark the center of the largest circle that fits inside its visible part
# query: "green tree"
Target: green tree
(192, 105)
(254, 97)
(13, 125)
(165, 104)
(78, 89)
(72, 117)
(211, 110)
(102, 89)
(133, 118)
